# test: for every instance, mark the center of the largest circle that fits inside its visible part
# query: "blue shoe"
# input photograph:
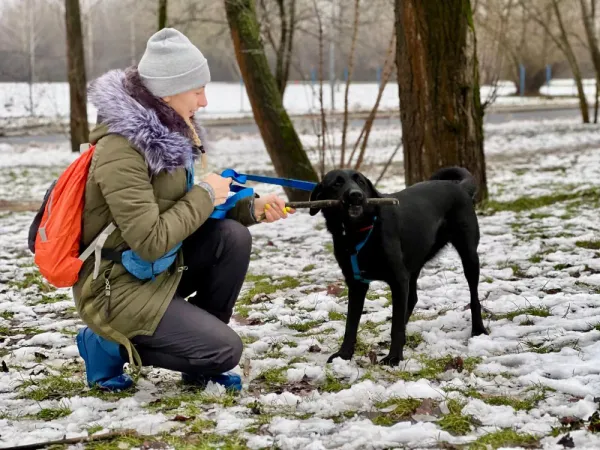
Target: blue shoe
(229, 380)
(103, 361)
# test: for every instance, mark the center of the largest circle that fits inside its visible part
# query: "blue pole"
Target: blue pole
(313, 76)
(548, 75)
(378, 75)
(522, 79)
(346, 74)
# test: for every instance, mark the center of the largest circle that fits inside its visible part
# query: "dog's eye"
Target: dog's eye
(338, 182)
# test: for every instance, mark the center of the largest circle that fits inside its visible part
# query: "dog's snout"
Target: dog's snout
(356, 196)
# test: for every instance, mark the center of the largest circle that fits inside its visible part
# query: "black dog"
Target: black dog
(393, 243)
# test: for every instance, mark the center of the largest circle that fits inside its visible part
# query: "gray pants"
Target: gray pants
(193, 336)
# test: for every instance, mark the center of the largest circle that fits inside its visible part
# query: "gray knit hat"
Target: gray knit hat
(171, 64)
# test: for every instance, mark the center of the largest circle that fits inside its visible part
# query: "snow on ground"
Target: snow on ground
(532, 380)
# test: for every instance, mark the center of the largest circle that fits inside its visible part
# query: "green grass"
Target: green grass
(529, 203)
(333, 384)
(592, 245)
(7, 315)
(503, 438)
(525, 402)
(273, 377)
(49, 299)
(455, 422)
(414, 340)
(333, 315)
(433, 367)
(404, 409)
(51, 388)
(48, 414)
(32, 279)
(304, 327)
(308, 268)
(538, 311)
(266, 286)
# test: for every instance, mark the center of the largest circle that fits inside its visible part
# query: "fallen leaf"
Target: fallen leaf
(372, 357)
(180, 418)
(246, 369)
(314, 349)
(457, 364)
(4, 366)
(566, 441)
(40, 355)
(424, 418)
(426, 407)
(334, 289)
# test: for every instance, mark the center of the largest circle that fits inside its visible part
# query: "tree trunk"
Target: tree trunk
(278, 133)
(572, 59)
(286, 44)
(162, 14)
(76, 75)
(588, 22)
(438, 83)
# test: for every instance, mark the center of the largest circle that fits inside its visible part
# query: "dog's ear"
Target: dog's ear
(373, 193)
(314, 195)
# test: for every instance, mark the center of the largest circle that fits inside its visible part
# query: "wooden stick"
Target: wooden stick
(76, 440)
(330, 203)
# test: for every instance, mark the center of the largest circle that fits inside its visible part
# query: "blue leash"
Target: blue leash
(240, 192)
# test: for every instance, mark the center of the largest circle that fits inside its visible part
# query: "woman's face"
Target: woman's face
(187, 103)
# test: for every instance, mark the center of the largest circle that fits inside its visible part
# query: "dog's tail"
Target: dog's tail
(460, 175)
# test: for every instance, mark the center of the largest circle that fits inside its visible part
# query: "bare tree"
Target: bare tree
(278, 133)
(438, 82)
(348, 81)
(283, 48)
(588, 15)
(561, 40)
(162, 14)
(76, 75)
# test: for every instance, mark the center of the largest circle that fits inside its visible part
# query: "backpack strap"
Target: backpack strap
(96, 248)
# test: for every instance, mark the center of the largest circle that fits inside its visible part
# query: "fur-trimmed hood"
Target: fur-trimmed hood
(153, 128)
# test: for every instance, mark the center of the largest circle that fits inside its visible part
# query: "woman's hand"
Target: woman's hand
(220, 187)
(270, 208)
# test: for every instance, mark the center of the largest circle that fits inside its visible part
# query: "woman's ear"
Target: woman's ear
(314, 195)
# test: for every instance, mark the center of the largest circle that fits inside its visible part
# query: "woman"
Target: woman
(141, 179)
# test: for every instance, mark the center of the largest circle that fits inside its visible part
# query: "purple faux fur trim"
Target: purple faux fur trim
(152, 127)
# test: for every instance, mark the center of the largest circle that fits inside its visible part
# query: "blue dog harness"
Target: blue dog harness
(354, 257)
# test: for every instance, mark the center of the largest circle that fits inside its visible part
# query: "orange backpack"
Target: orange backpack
(55, 233)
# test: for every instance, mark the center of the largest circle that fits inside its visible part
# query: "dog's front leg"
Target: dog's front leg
(399, 305)
(356, 301)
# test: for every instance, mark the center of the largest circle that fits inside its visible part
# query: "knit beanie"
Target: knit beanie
(171, 64)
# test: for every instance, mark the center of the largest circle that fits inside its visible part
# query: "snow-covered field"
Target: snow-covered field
(50, 101)
(534, 379)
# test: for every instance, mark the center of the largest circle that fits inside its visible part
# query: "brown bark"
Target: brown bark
(438, 81)
(76, 75)
(162, 14)
(278, 133)
(593, 44)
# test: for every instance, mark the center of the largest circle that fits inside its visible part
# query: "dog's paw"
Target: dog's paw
(479, 331)
(345, 356)
(390, 360)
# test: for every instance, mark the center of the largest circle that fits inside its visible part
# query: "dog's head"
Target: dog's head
(351, 188)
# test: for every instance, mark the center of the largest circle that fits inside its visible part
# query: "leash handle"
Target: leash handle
(285, 182)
